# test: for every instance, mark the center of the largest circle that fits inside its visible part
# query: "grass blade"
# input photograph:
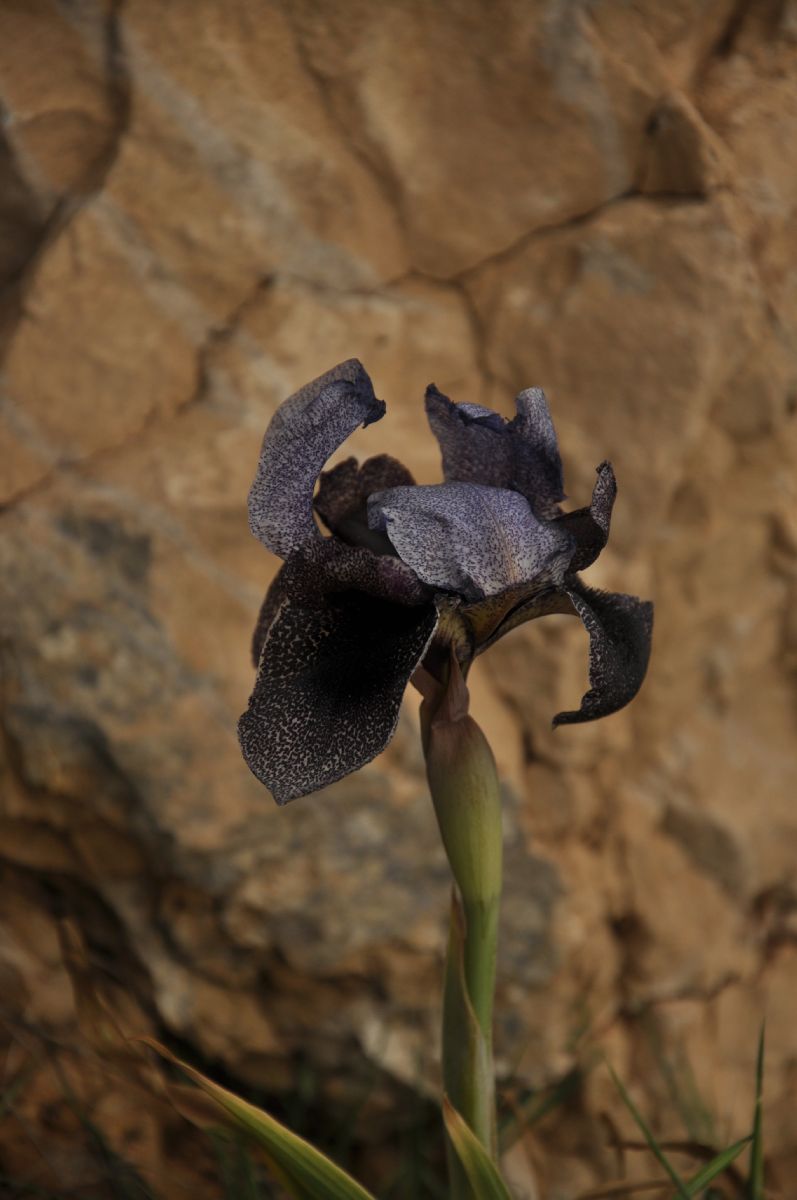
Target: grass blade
(717, 1165)
(655, 1148)
(483, 1176)
(756, 1180)
(307, 1173)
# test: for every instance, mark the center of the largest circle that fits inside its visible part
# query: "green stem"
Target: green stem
(481, 944)
(464, 784)
(466, 1059)
(468, 1077)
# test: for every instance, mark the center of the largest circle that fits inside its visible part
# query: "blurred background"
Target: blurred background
(203, 205)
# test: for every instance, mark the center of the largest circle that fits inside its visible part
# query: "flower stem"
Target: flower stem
(464, 784)
(481, 943)
(468, 1077)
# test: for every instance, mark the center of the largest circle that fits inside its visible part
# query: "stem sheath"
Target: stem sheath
(464, 784)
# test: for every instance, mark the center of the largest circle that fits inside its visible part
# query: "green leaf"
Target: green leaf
(756, 1180)
(304, 1171)
(480, 1169)
(681, 1189)
(717, 1165)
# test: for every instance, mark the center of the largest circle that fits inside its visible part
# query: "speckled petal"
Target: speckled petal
(323, 566)
(480, 446)
(303, 433)
(475, 444)
(590, 526)
(329, 688)
(620, 629)
(538, 467)
(342, 497)
(268, 611)
(468, 539)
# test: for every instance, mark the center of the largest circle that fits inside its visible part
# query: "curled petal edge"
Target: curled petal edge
(589, 526)
(620, 629)
(304, 431)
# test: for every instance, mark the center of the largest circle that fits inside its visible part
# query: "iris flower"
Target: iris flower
(410, 574)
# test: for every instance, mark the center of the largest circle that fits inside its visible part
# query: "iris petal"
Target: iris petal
(303, 433)
(474, 441)
(590, 526)
(343, 493)
(469, 539)
(620, 629)
(268, 610)
(324, 566)
(538, 472)
(479, 446)
(329, 688)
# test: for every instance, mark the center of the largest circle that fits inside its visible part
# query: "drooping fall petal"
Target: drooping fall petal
(469, 539)
(322, 566)
(268, 610)
(620, 629)
(303, 433)
(328, 692)
(346, 631)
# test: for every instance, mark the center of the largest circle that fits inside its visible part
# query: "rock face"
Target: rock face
(203, 206)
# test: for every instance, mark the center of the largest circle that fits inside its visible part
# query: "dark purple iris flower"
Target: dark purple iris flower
(412, 573)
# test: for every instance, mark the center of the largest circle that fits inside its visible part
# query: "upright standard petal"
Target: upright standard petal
(303, 433)
(480, 446)
(332, 674)
(590, 526)
(469, 539)
(474, 442)
(620, 629)
(538, 466)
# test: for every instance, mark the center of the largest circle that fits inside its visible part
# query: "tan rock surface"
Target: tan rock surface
(206, 204)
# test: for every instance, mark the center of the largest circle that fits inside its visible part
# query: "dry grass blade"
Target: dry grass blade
(654, 1146)
(297, 1165)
